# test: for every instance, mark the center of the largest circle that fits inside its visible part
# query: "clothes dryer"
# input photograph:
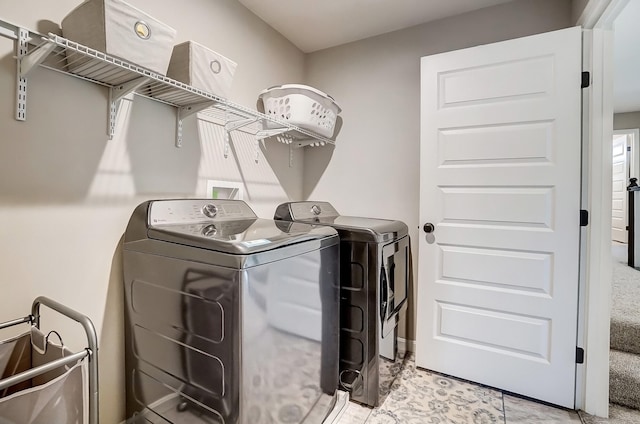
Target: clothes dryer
(229, 318)
(374, 283)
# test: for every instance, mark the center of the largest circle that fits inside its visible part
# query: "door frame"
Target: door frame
(631, 160)
(627, 154)
(592, 382)
(634, 162)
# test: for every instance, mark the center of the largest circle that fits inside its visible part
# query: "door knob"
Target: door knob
(428, 228)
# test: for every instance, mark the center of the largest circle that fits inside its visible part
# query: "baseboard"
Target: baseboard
(342, 403)
(406, 345)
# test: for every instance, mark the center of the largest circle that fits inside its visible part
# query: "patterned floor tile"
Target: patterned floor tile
(521, 411)
(423, 397)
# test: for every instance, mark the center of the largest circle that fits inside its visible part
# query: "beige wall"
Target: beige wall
(66, 192)
(374, 170)
(626, 121)
(577, 7)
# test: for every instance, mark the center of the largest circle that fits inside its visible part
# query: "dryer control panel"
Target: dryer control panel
(191, 211)
(301, 211)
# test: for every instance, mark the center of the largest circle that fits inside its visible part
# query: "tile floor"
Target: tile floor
(421, 397)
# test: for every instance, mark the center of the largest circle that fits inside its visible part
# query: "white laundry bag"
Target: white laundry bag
(58, 396)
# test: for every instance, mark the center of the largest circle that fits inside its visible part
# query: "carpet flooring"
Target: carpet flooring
(624, 363)
(625, 303)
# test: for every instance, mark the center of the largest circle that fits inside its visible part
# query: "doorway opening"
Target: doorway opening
(624, 341)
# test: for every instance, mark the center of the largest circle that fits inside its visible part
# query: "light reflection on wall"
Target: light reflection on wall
(213, 165)
(262, 188)
(113, 178)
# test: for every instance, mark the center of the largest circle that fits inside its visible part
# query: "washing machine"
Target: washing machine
(374, 282)
(229, 318)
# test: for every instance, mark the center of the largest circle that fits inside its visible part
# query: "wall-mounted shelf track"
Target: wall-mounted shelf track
(59, 54)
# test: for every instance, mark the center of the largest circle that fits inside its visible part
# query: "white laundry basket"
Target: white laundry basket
(201, 67)
(302, 106)
(116, 28)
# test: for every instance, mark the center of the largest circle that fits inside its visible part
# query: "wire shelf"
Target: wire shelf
(92, 65)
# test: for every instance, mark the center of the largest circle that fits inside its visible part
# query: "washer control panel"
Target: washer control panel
(220, 230)
(187, 211)
(310, 210)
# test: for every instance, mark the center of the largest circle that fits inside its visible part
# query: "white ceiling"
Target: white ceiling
(319, 24)
(626, 81)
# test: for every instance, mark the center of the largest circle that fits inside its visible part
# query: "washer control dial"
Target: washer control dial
(209, 231)
(210, 210)
(316, 210)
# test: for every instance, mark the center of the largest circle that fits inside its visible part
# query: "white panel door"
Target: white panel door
(500, 182)
(619, 190)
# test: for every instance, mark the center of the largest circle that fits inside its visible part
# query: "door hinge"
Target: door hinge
(628, 148)
(586, 79)
(579, 355)
(584, 218)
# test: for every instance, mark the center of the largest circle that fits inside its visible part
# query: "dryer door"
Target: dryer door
(394, 282)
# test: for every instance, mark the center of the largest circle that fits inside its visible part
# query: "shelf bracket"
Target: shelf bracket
(290, 156)
(262, 134)
(234, 125)
(257, 150)
(21, 79)
(36, 57)
(298, 144)
(185, 111)
(311, 142)
(116, 93)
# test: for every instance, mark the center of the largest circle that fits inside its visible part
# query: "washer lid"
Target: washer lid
(358, 223)
(241, 237)
(355, 228)
(350, 228)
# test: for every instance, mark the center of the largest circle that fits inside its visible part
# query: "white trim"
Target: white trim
(601, 13)
(592, 13)
(593, 394)
(406, 345)
(342, 403)
(584, 195)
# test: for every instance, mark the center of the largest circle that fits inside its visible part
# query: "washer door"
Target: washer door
(394, 282)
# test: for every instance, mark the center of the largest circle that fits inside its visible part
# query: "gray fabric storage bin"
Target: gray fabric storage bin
(202, 68)
(119, 29)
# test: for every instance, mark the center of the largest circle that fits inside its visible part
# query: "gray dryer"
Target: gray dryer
(374, 281)
(229, 318)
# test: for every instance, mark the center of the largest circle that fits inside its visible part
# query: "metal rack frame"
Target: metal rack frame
(91, 351)
(122, 78)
